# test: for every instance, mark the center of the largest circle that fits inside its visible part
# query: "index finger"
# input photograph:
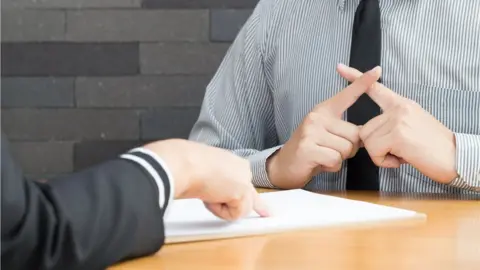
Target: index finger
(379, 93)
(348, 96)
(259, 205)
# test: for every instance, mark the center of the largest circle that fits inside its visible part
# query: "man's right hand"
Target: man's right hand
(222, 180)
(322, 141)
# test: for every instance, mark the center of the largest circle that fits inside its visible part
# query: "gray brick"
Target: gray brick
(90, 153)
(41, 158)
(181, 58)
(142, 91)
(137, 25)
(166, 123)
(37, 92)
(226, 23)
(199, 3)
(70, 124)
(33, 25)
(69, 59)
(8, 4)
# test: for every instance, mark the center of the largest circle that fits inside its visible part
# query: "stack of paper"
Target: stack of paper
(189, 220)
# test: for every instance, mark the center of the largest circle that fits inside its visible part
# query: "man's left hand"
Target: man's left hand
(406, 133)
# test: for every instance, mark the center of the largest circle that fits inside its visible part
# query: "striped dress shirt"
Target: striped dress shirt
(282, 63)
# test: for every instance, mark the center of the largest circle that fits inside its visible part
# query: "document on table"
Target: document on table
(189, 220)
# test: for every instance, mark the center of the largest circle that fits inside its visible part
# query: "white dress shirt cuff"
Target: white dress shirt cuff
(468, 161)
(156, 167)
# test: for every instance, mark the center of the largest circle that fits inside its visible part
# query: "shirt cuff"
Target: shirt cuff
(259, 170)
(159, 171)
(467, 162)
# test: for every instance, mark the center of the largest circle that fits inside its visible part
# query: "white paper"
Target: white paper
(189, 220)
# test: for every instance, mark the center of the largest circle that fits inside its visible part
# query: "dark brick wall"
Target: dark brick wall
(84, 80)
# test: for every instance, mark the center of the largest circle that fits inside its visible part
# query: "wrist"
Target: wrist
(276, 172)
(450, 170)
(173, 153)
(453, 174)
(271, 167)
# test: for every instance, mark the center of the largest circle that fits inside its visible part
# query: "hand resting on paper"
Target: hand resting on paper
(222, 180)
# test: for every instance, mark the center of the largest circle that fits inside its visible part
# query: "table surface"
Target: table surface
(449, 238)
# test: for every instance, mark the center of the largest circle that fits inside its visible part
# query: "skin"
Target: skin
(322, 141)
(403, 133)
(222, 180)
(406, 133)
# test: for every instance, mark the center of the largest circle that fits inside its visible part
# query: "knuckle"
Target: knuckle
(305, 133)
(353, 153)
(362, 135)
(311, 118)
(333, 160)
(356, 133)
(236, 196)
(346, 152)
(304, 144)
(335, 168)
(338, 167)
(377, 161)
(407, 106)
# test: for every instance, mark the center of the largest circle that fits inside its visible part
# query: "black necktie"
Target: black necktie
(362, 173)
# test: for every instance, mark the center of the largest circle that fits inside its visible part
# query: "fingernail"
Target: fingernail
(376, 70)
(263, 211)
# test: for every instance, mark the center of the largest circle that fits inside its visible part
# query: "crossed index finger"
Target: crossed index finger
(379, 93)
(348, 96)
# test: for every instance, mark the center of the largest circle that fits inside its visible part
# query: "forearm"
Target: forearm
(88, 220)
(467, 161)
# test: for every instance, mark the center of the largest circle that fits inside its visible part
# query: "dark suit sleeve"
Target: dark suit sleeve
(88, 220)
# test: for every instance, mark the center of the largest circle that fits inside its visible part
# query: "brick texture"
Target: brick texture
(69, 59)
(181, 58)
(72, 4)
(37, 92)
(70, 124)
(85, 80)
(137, 25)
(44, 158)
(195, 4)
(140, 91)
(33, 25)
(90, 153)
(167, 122)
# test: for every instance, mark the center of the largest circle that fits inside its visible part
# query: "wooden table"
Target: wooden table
(448, 239)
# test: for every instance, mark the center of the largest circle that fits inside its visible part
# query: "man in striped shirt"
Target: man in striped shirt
(277, 97)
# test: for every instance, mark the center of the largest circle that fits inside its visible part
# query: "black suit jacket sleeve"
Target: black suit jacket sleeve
(88, 220)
